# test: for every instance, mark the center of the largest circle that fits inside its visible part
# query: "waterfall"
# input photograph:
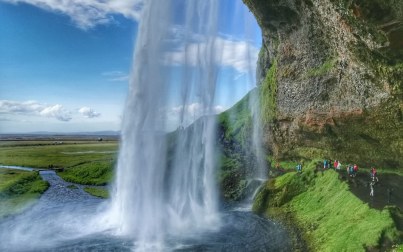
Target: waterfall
(166, 183)
(164, 188)
(261, 171)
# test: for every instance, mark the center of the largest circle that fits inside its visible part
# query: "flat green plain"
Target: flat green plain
(45, 154)
(83, 161)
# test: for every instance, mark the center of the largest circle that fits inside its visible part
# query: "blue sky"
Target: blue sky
(65, 67)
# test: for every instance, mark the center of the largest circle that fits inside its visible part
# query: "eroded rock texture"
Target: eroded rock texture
(331, 79)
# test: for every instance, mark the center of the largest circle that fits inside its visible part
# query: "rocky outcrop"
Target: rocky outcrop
(331, 79)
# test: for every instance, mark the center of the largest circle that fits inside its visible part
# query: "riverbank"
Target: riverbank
(19, 189)
(324, 213)
(67, 219)
(83, 161)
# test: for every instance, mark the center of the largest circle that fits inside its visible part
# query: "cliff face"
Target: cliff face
(331, 79)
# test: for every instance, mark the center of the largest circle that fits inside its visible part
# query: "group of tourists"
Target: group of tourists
(352, 171)
(327, 164)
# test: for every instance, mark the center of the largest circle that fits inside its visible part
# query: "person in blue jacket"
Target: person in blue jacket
(299, 168)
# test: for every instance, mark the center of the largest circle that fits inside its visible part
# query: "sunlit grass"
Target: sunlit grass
(97, 192)
(94, 173)
(18, 189)
(84, 162)
(336, 219)
(43, 155)
(333, 219)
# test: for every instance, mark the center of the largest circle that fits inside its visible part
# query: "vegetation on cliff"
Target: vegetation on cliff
(268, 93)
(338, 86)
(237, 162)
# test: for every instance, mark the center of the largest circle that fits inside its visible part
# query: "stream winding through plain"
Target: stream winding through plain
(65, 219)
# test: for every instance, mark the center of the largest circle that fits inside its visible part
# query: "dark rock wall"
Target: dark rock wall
(338, 80)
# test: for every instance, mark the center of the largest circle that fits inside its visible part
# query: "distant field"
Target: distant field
(64, 154)
(18, 189)
(84, 161)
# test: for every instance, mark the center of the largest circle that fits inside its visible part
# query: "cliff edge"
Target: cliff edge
(330, 74)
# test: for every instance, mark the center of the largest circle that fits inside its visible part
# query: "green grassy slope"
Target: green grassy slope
(237, 162)
(329, 215)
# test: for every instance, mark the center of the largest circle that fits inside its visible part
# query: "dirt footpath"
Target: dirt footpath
(387, 191)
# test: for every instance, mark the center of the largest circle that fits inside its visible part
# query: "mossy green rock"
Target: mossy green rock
(331, 77)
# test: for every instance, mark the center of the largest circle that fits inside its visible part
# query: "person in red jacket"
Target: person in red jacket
(355, 168)
(335, 164)
(373, 174)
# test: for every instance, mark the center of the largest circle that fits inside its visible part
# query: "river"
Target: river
(67, 219)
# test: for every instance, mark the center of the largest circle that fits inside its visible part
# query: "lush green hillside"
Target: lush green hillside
(324, 211)
(238, 161)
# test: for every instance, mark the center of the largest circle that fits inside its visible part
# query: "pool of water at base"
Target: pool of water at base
(63, 220)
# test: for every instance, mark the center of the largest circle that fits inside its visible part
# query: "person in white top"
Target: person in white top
(338, 167)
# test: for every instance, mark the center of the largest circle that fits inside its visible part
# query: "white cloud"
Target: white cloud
(185, 115)
(88, 112)
(89, 13)
(116, 76)
(20, 107)
(56, 111)
(194, 110)
(34, 108)
(240, 55)
(5, 119)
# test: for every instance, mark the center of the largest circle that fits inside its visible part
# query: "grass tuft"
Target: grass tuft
(95, 173)
(97, 192)
(322, 69)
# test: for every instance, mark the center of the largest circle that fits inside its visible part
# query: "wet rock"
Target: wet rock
(337, 89)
